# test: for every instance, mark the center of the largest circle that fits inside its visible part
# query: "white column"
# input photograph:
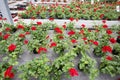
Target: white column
(6, 11)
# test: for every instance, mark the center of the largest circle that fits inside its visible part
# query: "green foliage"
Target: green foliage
(63, 64)
(88, 65)
(38, 68)
(75, 9)
(110, 67)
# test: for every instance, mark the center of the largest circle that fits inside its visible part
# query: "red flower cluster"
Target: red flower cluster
(74, 41)
(58, 30)
(105, 26)
(12, 47)
(71, 19)
(103, 21)
(26, 33)
(33, 28)
(73, 72)
(109, 31)
(6, 36)
(0, 33)
(95, 43)
(20, 26)
(81, 32)
(7, 29)
(64, 26)
(113, 40)
(70, 33)
(21, 35)
(51, 19)
(39, 23)
(60, 37)
(84, 38)
(8, 73)
(107, 49)
(101, 16)
(109, 58)
(42, 49)
(83, 25)
(53, 44)
(15, 20)
(25, 41)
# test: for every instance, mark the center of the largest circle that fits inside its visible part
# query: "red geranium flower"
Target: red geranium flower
(107, 49)
(64, 26)
(26, 33)
(7, 29)
(12, 47)
(6, 36)
(0, 18)
(39, 23)
(25, 41)
(21, 35)
(33, 28)
(42, 49)
(4, 18)
(103, 21)
(53, 44)
(71, 19)
(74, 41)
(61, 37)
(84, 38)
(58, 30)
(0, 33)
(109, 31)
(105, 26)
(51, 19)
(32, 18)
(73, 72)
(95, 43)
(20, 26)
(81, 32)
(101, 16)
(15, 20)
(113, 40)
(109, 58)
(83, 25)
(8, 73)
(96, 30)
(70, 33)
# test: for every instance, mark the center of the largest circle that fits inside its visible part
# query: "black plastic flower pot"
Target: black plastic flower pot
(97, 53)
(14, 30)
(118, 39)
(34, 51)
(60, 68)
(79, 67)
(115, 52)
(102, 65)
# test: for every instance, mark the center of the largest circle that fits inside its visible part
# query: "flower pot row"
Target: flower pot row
(75, 10)
(66, 42)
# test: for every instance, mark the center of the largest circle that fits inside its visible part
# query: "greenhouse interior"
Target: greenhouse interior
(59, 39)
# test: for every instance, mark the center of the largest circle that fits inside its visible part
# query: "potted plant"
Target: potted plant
(62, 65)
(38, 68)
(88, 65)
(109, 65)
(116, 49)
(7, 71)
